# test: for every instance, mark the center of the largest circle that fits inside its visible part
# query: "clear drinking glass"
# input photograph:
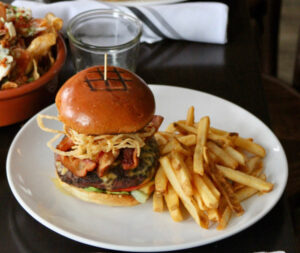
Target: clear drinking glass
(96, 32)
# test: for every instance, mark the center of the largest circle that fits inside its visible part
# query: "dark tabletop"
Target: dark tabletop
(229, 71)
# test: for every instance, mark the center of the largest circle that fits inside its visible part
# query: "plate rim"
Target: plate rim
(128, 248)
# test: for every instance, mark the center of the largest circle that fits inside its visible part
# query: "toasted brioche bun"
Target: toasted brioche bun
(90, 105)
(98, 197)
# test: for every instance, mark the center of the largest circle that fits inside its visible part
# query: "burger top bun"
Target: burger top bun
(123, 103)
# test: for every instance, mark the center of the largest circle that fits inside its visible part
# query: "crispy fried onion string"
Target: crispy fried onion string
(89, 146)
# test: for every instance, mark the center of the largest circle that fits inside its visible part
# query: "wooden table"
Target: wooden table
(231, 72)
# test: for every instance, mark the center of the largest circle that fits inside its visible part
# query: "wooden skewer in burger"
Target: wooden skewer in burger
(108, 154)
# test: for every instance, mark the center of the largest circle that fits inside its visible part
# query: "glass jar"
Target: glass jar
(96, 32)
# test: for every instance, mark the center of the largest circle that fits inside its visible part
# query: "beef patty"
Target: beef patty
(116, 177)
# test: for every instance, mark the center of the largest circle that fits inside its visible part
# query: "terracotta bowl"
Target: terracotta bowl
(21, 103)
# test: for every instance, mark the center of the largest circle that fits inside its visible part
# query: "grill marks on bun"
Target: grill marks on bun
(91, 105)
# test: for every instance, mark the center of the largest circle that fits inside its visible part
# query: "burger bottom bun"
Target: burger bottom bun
(98, 197)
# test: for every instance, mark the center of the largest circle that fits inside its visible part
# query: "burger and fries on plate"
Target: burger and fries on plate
(112, 153)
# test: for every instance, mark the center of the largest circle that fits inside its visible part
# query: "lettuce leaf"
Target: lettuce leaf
(94, 189)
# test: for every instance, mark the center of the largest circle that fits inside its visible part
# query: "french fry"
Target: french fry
(224, 214)
(245, 179)
(204, 221)
(167, 135)
(199, 201)
(236, 186)
(160, 180)
(219, 131)
(175, 161)
(250, 146)
(180, 160)
(224, 218)
(202, 133)
(245, 193)
(168, 147)
(263, 177)
(158, 202)
(213, 215)
(180, 148)
(187, 140)
(148, 188)
(176, 215)
(190, 116)
(226, 190)
(183, 127)
(189, 163)
(211, 186)
(185, 182)
(254, 165)
(224, 158)
(172, 202)
(171, 198)
(206, 156)
(221, 139)
(209, 199)
(188, 202)
(222, 205)
(183, 174)
(171, 128)
(174, 144)
(236, 155)
(161, 140)
(211, 157)
(258, 171)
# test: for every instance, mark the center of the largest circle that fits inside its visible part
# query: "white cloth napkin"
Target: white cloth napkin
(197, 21)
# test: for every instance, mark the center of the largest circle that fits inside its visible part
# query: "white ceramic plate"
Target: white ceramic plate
(30, 170)
(141, 2)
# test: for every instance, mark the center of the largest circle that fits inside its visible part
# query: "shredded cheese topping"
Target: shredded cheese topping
(89, 146)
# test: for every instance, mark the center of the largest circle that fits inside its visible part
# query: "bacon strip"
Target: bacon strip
(77, 166)
(130, 159)
(156, 121)
(105, 160)
(66, 144)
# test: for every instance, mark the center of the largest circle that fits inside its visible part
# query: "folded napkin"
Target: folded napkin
(197, 21)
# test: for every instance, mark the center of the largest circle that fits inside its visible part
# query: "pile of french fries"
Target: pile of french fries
(208, 171)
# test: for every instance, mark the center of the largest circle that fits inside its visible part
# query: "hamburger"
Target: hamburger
(107, 154)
